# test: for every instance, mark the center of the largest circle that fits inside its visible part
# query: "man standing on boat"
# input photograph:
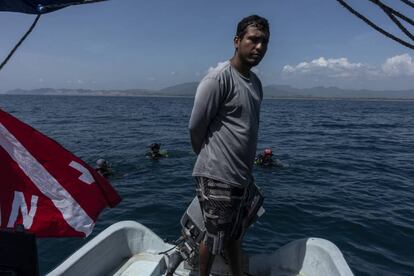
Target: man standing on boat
(224, 128)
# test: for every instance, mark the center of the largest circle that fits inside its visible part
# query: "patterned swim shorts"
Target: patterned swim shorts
(223, 208)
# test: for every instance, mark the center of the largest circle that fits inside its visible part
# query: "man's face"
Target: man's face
(252, 47)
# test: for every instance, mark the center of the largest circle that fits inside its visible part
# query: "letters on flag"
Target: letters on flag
(45, 187)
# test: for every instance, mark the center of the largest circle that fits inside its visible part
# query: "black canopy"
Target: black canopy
(39, 6)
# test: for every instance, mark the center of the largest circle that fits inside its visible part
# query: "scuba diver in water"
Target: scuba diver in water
(155, 152)
(265, 159)
(103, 167)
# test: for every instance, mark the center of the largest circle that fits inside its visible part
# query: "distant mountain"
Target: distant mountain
(79, 92)
(189, 89)
(280, 91)
(185, 89)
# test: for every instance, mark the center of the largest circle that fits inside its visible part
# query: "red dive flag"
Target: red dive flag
(45, 187)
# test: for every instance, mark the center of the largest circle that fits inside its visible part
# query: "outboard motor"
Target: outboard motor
(193, 230)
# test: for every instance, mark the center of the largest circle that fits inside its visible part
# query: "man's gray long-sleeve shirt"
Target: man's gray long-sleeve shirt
(224, 125)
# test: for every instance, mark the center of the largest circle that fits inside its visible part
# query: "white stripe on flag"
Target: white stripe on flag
(72, 212)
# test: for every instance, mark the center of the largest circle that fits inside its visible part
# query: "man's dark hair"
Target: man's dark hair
(254, 21)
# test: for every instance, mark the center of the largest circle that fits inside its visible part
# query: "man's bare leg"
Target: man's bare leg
(206, 259)
(235, 256)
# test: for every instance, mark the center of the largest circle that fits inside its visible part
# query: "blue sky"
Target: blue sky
(127, 44)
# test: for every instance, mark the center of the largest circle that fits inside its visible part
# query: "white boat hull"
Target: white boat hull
(129, 248)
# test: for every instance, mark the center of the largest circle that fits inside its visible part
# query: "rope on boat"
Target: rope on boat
(20, 42)
(409, 3)
(392, 14)
(177, 243)
(168, 250)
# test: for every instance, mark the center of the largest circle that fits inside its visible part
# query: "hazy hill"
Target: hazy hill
(79, 92)
(277, 91)
(184, 89)
(188, 90)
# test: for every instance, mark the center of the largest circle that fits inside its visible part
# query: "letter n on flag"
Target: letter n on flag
(45, 187)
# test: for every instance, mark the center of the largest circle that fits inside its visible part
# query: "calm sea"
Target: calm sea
(347, 174)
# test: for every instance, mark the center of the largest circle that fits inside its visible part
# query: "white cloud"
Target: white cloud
(329, 67)
(402, 65)
(218, 65)
(342, 68)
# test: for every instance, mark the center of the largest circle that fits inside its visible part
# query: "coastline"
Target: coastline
(186, 96)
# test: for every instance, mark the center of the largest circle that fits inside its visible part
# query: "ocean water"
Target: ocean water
(347, 173)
